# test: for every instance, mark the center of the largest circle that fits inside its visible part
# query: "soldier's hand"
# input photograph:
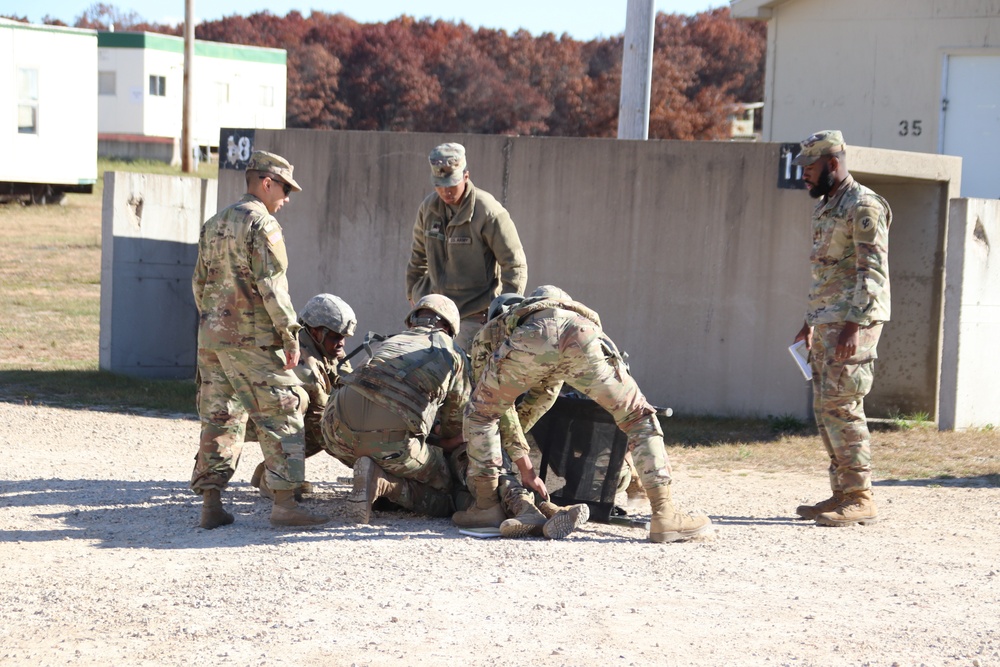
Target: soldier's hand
(291, 360)
(805, 333)
(847, 342)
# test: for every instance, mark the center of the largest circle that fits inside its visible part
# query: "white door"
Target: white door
(972, 121)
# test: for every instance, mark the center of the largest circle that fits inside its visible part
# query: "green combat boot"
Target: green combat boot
(527, 520)
(563, 520)
(370, 484)
(666, 524)
(287, 513)
(486, 512)
(855, 507)
(213, 514)
(810, 512)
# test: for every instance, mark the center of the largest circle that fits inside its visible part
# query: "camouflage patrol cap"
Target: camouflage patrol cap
(824, 142)
(444, 307)
(269, 163)
(447, 164)
(331, 312)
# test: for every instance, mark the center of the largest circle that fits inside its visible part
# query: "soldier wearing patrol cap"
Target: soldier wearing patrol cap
(848, 304)
(248, 347)
(465, 245)
(380, 422)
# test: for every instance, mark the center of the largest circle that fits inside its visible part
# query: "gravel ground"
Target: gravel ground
(102, 562)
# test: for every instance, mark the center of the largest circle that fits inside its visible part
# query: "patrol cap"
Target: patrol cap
(269, 163)
(447, 164)
(824, 142)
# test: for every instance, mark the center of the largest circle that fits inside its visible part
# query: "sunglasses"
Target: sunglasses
(284, 186)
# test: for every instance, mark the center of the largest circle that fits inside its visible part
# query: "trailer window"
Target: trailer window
(157, 85)
(27, 100)
(106, 83)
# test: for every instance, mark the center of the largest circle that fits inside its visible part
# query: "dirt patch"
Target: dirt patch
(102, 562)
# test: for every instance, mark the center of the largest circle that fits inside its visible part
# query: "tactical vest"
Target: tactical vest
(410, 375)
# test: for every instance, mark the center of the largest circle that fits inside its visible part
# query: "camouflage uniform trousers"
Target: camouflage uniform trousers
(508, 488)
(469, 326)
(241, 384)
(546, 350)
(354, 427)
(839, 389)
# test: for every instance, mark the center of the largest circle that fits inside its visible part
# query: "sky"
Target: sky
(582, 19)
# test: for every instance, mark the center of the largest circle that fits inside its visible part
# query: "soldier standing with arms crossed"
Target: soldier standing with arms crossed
(465, 245)
(247, 347)
(848, 303)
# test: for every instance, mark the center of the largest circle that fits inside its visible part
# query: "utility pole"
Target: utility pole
(637, 71)
(186, 148)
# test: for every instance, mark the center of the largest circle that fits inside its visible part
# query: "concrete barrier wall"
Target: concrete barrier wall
(149, 244)
(970, 392)
(696, 260)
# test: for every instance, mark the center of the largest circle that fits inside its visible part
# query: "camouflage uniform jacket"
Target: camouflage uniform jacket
(520, 313)
(419, 375)
(487, 340)
(457, 251)
(239, 281)
(850, 257)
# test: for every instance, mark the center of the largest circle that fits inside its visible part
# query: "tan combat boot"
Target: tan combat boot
(486, 512)
(810, 512)
(855, 507)
(259, 481)
(213, 514)
(371, 483)
(563, 520)
(527, 520)
(286, 512)
(666, 524)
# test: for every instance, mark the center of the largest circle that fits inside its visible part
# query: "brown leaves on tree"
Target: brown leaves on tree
(438, 76)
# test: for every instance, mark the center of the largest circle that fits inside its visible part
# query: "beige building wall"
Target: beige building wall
(696, 260)
(871, 68)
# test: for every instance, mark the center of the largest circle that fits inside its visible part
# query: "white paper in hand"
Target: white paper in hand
(801, 356)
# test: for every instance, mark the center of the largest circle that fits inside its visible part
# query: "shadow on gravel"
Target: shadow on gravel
(754, 520)
(165, 515)
(978, 482)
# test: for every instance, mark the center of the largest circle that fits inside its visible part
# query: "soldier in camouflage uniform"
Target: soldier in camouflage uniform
(465, 245)
(379, 422)
(549, 341)
(327, 321)
(519, 513)
(247, 347)
(848, 303)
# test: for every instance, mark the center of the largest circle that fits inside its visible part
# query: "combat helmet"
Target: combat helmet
(331, 312)
(550, 292)
(442, 306)
(500, 304)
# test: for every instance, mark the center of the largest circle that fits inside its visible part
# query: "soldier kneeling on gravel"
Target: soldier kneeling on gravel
(327, 322)
(553, 340)
(379, 422)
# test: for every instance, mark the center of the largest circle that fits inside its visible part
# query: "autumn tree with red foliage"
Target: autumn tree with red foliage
(438, 76)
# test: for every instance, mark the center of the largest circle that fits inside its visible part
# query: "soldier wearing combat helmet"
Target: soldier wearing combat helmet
(248, 347)
(379, 423)
(327, 321)
(848, 304)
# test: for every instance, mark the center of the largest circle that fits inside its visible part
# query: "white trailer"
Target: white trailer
(48, 111)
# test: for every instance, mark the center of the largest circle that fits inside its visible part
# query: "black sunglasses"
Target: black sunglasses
(284, 186)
